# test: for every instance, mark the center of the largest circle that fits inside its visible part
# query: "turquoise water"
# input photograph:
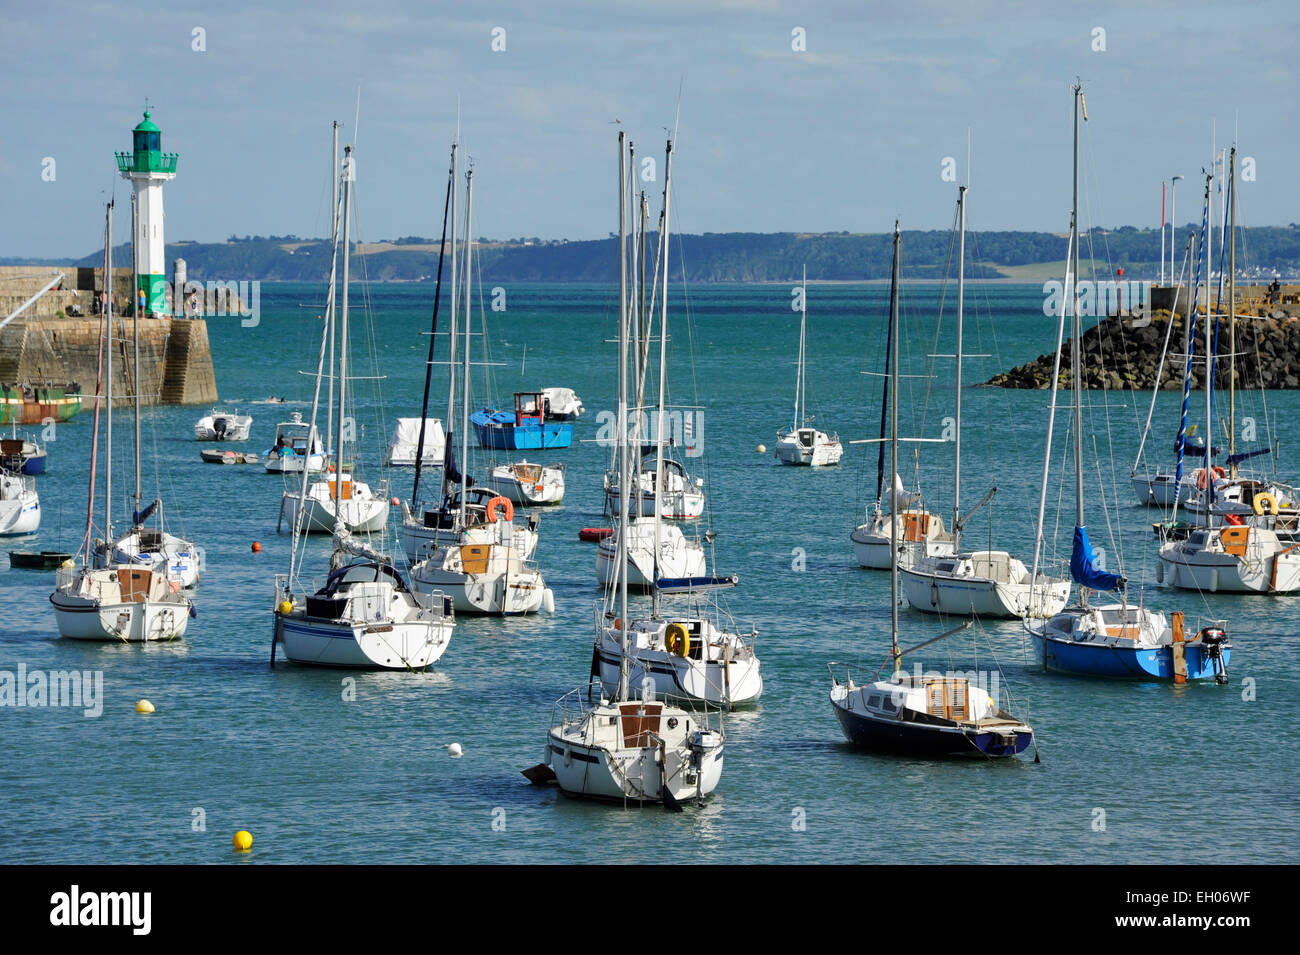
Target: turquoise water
(1199, 773)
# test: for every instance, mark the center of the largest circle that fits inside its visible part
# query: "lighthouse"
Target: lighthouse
(148, 167)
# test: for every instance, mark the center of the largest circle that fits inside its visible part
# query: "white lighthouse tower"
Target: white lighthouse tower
(148, 167)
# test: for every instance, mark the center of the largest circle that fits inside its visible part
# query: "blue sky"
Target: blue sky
(845, 135)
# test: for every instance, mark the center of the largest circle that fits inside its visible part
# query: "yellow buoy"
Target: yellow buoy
(286, 607)
(243, 840)
(144, 706)
(762, 449)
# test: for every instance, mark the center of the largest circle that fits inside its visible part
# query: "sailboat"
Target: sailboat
(459, 514)
(905, 519)
(527, 485)
(117, 601)
(365, 615)
(624, 748)
(915, 714)
(983, 583)
(338, 497)
(1116, 639)
(695, 653)
(801, 443)
(490, 577)
(657, 492)
(173, 557)
(1234, 556)
(1161, 489)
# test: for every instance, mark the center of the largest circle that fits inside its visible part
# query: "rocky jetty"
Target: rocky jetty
(1124, 352)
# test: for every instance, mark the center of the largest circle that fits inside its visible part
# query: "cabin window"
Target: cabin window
(889, 705)
(874, 702)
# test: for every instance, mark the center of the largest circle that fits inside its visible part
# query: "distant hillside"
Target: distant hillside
(716, 257)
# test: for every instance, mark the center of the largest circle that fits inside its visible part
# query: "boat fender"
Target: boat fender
(501, 502)
(548, 601)
(677, 639)
(1160, 572)
(1265, 499)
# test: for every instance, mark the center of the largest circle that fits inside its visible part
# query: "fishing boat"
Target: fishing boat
(920, 715)
(982, 583)
(365, 615)
(801, 443)
(1117, 640)
(1231, 556)
(527, 484)
(30, 404)
(296, 448)
(489, 577)
(623, 748)
(116, 602)
(561, 404)
(218, 425)
(416, 436)
(526, 428)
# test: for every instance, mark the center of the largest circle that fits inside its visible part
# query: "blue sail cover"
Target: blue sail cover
(1083, 565)
(1247, 455)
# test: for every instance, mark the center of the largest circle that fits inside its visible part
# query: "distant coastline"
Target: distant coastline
(723, 258)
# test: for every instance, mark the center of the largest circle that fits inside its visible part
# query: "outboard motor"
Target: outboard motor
(219, 428)
(1213, 638)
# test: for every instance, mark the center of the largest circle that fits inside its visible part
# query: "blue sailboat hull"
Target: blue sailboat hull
(1133, 663)
(919, 739)
(493, 432)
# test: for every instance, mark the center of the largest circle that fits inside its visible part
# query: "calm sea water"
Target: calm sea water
(1200, 773)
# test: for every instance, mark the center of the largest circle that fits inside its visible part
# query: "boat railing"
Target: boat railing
(64, 577)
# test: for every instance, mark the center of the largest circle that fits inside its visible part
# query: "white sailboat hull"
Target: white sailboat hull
(384, 646)
(932, 592)
(20, 514)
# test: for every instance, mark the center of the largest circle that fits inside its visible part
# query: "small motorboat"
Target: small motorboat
(22, 456)
(215, 456)
(220, 425)
(32, 560)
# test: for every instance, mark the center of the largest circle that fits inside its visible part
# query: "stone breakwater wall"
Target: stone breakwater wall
(175, 357)
(1125, 353)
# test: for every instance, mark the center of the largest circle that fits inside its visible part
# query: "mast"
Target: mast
(623, 489)
(99, 382)
(451, 338)
(884, 411)
(464, 383)
(1076, 362)
(799, 375)
(1232, 311)
(961, 300)
(433, 331)
(329, 307)
(663, 362)
(108, 426)
(893, 458)
(1209, 347)
(135, 371)
(343, 336)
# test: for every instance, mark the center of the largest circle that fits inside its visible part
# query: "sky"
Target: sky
(847, 133)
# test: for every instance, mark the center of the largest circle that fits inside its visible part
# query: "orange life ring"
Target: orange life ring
(496, 502)
(1217, 471)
